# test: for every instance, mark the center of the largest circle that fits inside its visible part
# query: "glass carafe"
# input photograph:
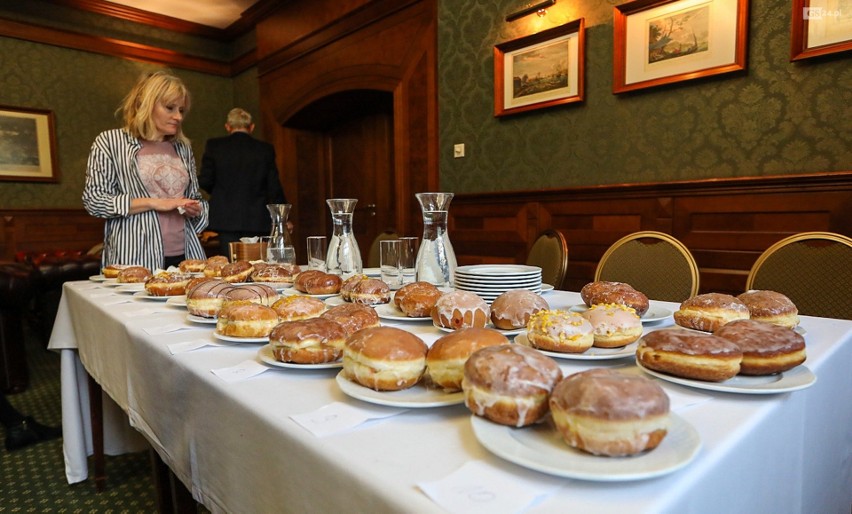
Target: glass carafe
(344, 256)
(436, 260)
(279, 249)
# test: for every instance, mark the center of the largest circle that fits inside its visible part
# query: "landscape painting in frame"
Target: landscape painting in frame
(820, 27)
(663, 41)
(541, 70)
(27, 145)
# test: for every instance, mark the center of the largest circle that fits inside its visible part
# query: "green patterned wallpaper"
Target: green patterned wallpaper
(83, 90)
(776, 118)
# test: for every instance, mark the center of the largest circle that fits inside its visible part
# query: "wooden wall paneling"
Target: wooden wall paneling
(48, 230)
(489, 233)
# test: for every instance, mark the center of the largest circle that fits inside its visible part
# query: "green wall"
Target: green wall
(775, 118)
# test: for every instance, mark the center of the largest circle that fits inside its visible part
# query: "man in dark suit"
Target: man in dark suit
(240, 174)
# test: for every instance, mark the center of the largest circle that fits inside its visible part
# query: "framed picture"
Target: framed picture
(820, 27)
(664, 41)
(27, 145)
(541, 70)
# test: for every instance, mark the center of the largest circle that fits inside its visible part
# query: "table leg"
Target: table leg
(96, 415)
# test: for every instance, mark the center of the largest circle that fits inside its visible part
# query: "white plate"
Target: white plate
(540, 447)
(797, 378)
(506, 333)
(546, 287)
(232, 339)
(177, 301)
(290, 291)
(200, 319)
(145, 296)
(390, 312)
(653, 314)
(413, 397)
(372, 272)
(130, 288)
(592, 354)
(497, 270)
(265, 354)
(97, 278)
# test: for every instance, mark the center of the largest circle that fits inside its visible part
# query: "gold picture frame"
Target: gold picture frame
(819, 27)
(665, 41)
(27, 145)
(541, 70)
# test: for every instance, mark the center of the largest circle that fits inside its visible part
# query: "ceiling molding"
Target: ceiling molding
(121, 49)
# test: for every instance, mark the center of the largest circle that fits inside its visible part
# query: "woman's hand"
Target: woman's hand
(187, 207)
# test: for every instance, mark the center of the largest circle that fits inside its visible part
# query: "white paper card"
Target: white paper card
(339, 417)
(164, 329)
(117, 300)
(479, 488)
(145, 312)
(188, 346)
(241, 371)
(100, 295)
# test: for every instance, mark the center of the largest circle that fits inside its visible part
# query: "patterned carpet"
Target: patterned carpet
(32, 480)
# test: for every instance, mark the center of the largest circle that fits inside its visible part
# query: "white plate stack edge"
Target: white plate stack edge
(491, 280)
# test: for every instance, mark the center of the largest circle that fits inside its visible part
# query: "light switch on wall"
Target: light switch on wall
(458, 150)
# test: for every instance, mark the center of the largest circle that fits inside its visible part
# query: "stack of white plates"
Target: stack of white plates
(491, 280)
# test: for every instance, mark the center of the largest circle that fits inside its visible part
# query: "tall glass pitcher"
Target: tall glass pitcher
(280, 249)
(436, 260)
(344, 256)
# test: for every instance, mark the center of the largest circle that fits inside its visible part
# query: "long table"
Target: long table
(236, 448)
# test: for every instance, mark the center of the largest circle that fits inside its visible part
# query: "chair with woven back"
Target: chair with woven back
(654, 263)
(550, 253)
(813, 269)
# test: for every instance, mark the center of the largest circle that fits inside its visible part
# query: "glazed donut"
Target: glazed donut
(605, 412)
(213, 266)
(690, 355)
(513, 309)
(370, 291)
(416, 299)
(192, 265)
(384, 358)
(255, 293)
(349, 284)
(560, 331)
(246, 319)
(307, 341)
(614, 324)
(446, 357)
(238, 271)
(275, 273)
(353, 316)
(614, 292)
(317, 282)
(509, 384)
(133, 275)
(460, 309)
(767, 348)
(113, 270)
(772, 307)
(709, 311)
(297, 307)
(167, 284)
(204, 298)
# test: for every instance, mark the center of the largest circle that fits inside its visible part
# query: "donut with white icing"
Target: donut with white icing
(560, 331)
(614, 324)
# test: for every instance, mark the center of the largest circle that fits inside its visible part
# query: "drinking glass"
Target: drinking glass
(408, 259)
(389, 254)
(317, 251)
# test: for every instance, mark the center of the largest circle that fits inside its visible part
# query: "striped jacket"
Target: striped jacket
(112, 180)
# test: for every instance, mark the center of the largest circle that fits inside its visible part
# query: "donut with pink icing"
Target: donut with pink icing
(560, 331)
(614, 324)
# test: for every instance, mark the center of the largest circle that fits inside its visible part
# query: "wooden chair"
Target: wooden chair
(550, 253)
(813, 269)
(652, 262)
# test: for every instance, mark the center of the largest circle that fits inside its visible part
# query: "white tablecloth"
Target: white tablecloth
(236, 448)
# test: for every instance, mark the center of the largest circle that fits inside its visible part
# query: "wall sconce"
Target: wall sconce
(529, 9)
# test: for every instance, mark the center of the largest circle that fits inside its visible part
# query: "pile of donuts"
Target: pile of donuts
(751, 334)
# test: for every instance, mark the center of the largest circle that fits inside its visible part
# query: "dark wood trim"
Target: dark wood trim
(111, 47)
(335, 31)
(726, 223)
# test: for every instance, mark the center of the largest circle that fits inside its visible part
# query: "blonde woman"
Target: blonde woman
(141, 178)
